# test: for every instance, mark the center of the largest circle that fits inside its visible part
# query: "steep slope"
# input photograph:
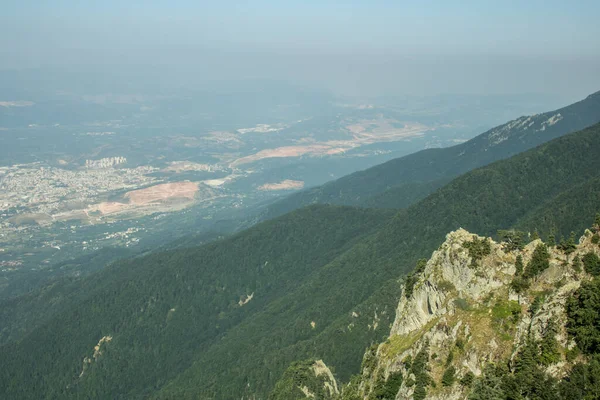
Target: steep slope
(225, 320)
(467, 319)
(403, 181)
(561, 215)
(483, 200)
(161, 310)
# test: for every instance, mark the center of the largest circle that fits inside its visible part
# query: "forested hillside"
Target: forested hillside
(168, 307)
(403, 181)
(225, 320)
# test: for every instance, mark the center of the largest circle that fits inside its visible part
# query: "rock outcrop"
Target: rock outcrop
(462, 313)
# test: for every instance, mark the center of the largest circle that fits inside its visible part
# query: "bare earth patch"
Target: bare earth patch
(108, 207)
(361, 133)
(287, 184)
(182, 166)
(161, 192)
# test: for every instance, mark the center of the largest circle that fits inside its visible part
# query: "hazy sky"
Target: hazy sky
(353, 47)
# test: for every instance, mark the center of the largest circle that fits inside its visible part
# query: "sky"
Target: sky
(351, 47)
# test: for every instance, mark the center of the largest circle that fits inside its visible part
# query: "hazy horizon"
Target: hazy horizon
(356, 48)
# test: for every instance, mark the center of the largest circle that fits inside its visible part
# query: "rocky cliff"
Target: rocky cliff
(474, 304)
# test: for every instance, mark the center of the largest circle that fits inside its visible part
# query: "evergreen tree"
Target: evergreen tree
(582, 382)
(420, 369)
(519, 265)
(520, 284)
(570, 246)
(549, 353)
(591, 262)
(512, 239)
(561, 243)
(536, 304)
(540, 261)
(583, 316)
(489, 385)
(577, 264)
(526, 359)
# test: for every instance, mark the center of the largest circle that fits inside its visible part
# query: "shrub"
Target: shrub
(519, 284)
(413, 277)
(478, 248)
(446, 286)
(467, 379)
(449, 376)
(463, 304)
(506, 310)
(512, 239)
(450, 358)
(536, 304)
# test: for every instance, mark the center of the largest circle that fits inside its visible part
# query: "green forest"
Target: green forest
(228, 318)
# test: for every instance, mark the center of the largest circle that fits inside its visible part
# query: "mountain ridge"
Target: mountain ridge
(427, 170)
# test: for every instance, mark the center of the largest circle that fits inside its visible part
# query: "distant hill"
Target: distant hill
(226, 319)
(403, 181)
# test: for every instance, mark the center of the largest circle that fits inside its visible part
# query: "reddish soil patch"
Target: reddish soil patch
(162, 192)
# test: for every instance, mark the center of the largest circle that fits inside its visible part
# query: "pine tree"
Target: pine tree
(540, 261)
(577, 264)
(570, 245)
(489, 385)
(519, 265)
(527, 358)
(551, 240)
(591, 262)
(549, 353)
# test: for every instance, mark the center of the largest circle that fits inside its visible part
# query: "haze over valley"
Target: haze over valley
(316, 200)
(82, 172)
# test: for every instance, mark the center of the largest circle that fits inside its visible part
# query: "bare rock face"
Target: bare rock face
(449, 270)
(462, 314)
